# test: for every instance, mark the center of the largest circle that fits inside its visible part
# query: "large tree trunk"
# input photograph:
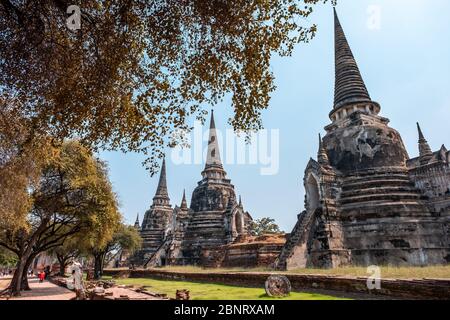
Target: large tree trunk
(62, 264)
(98, 266)
(25, 285)
(16, 283)
(62, 268)
(25, 257)
(14, 288)
(21, 273)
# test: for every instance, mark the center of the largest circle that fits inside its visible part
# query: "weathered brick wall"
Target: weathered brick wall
(415, 289)
(432, 179)
(250, 255)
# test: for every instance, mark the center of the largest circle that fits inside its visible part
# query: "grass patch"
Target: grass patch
(439, 272)
(209, 291)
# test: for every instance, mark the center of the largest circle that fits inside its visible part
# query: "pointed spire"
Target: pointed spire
(136, 224)
(442, 154)
(424, 148)
(162, 184)
(212, 124)
(162, 197)
(240, 201)
(349, 85)
(183, 205)
(421, 136)
(213, 156)
(322, 156)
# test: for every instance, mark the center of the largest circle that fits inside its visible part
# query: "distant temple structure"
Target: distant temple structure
(158, 219)
(194, 235)
(366, 201)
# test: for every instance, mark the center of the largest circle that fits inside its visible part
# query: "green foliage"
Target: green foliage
(139, 70)
(7, 258)
(210, 291)
(264, 226)
(69, 250)
(22, 159)
(73, 196)
(124, 239)
(76, 194)
(128, 239)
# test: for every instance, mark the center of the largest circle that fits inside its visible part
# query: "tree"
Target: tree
(73, 196)
(264, 226)
(67, 252)
(22, 158)
(137, 71)
(126, 238)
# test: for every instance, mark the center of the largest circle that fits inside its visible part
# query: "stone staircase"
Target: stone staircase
(152, 239)
(292, 240)
(155, 257)
(206, 229)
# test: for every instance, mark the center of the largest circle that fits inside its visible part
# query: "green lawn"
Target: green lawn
(439, 272)
(208, 291)
(387, 272)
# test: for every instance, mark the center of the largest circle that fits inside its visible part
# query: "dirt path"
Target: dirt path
(45, 291)
(4, 282)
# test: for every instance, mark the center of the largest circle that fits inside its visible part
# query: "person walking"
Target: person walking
(77, 275)
(41, 276)
(47, 271)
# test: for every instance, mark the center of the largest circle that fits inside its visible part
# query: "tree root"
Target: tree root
(5, 292)
(8, 292)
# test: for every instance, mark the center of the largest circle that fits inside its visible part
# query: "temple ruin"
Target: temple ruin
(367, 202)
(192, 236)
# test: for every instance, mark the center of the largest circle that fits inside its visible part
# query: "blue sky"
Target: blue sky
(405, 63)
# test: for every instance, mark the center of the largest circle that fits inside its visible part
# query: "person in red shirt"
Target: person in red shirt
(41, 276)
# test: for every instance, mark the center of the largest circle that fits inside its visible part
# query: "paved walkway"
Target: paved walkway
(4, 282)
(45, 291)
(50, 291)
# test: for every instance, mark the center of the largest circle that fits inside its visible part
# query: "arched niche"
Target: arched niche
(312, 193)
(163, 258)
(239, 222)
